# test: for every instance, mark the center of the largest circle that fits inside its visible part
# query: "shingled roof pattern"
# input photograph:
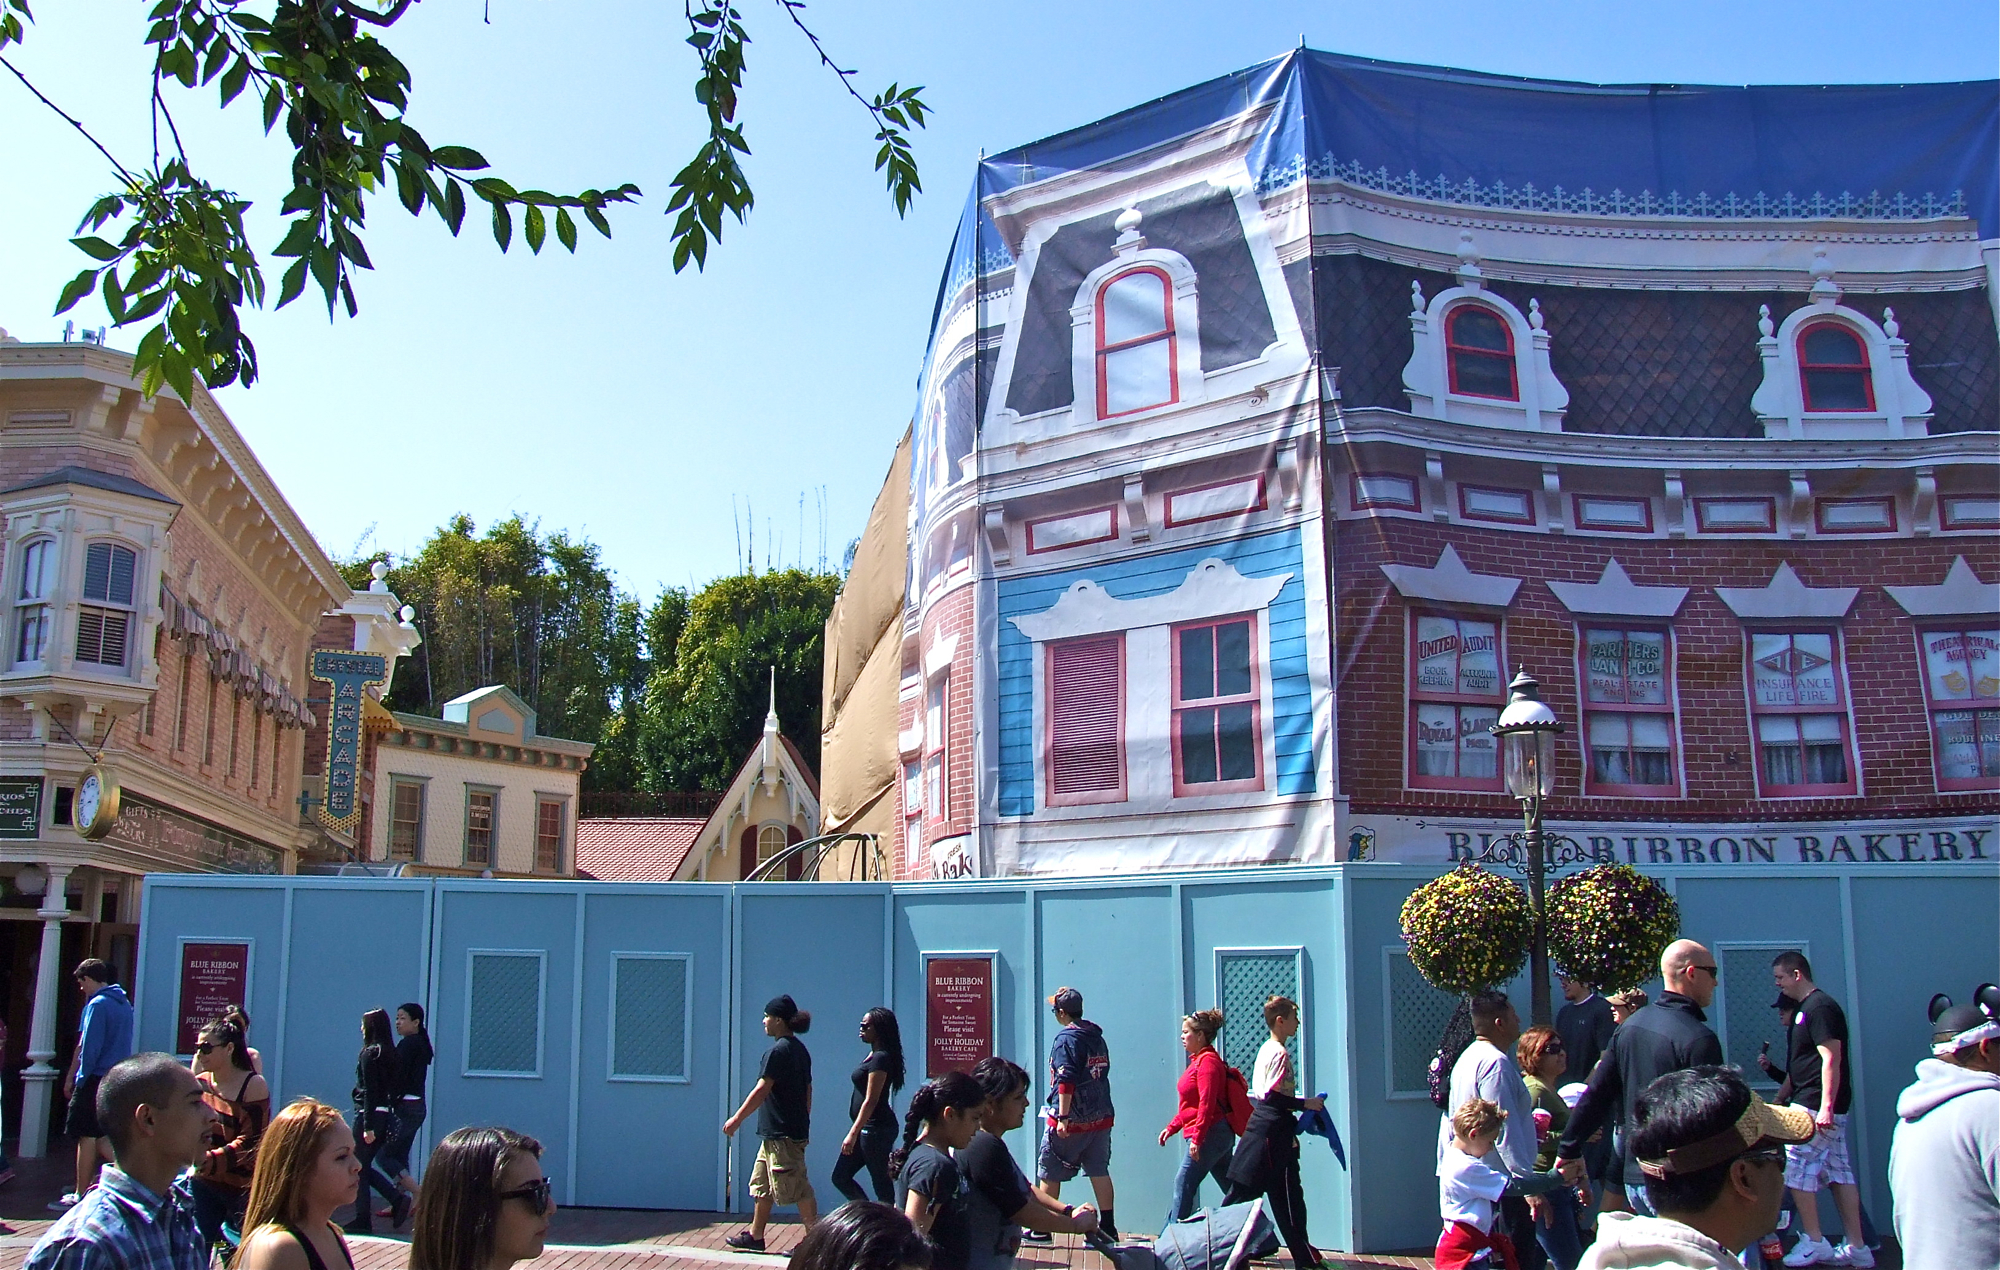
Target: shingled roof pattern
(635, 850)
(1651, 363)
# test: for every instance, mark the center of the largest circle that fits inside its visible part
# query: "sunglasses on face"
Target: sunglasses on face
(1765, 1155)
(1553, 1049)
(205, 1047)
(1713, 972)
(536, 1193)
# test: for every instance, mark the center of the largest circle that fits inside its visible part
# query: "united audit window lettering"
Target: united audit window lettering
(1217, 743)
(1833, 369)
(1799, 713)
(104, 621)
(1455, 696)
(32, 613)
(1086, 720)
(1962, 676)
(1629, 711)
(1137, 363)
(1479, 352)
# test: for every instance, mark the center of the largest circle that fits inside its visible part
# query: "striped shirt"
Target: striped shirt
(120, 1225)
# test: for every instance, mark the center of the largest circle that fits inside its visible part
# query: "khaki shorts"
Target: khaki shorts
(780, 1172)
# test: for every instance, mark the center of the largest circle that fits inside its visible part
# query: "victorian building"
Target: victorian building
(1267, 429)
(162, 604)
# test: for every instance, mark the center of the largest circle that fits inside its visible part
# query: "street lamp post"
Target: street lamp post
(1527, 731)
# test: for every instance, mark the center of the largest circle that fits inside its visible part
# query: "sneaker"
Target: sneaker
(745, 1242)
(1854, 1255)
(1810, 1252)
(1042, 1237)
(69, 1200)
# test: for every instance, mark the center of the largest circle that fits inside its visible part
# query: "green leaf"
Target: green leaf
(96, 248)
(534, 228)
(234, 79)
(454, 206)
(503, 225)
(565, 230)
(114, 299)
(293, 284)
(458, 158)
(75, 289)
(597, 220)
(274, 101)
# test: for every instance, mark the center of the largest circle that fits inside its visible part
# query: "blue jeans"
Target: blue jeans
(213, 1207)
(1563, 1240)
(1641, 1202)
(1211, 1160)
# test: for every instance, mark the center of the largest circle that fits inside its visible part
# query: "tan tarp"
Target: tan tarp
(871, 600)
(858, 757)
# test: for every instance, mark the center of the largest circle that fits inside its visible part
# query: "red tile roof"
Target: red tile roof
(636, 850)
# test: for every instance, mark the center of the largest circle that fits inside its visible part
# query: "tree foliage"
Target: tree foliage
(178, 253)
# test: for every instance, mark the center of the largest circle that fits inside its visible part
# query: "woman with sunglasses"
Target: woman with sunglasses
(485, 1203)
(1543, 1061)
(306, 1168)
(242, 1104)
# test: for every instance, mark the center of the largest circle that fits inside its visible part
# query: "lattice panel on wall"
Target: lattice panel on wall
(1244, 982)
(1417, 1015)
(1746, 1016)
(504, 1023)
(649, 1018)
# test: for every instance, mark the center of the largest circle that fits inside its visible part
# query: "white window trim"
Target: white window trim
(1614, 594)
(1786, 599)
(423, 788)
(1213, 588)
(611, 1072)
(541, 957)
(1427, 376)
(1850, 738)
(1130, 253)
(1961, 594)
(1451, 584)
(1901, 407)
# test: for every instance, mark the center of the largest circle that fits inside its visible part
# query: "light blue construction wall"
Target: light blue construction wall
(1143, 951)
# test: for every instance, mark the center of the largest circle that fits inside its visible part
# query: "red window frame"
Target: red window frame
(1254, 698)
(1452, 349)
(1627, 710)
(1419, 697)
(1165, 333)
(1984, 709)
(1806, 367)
(1836, 709)
(1052, 653)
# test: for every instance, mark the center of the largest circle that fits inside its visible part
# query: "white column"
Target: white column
(38, 1079)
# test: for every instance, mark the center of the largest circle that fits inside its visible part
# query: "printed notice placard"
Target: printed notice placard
(958, 994)
(213, 978)
(20, 806)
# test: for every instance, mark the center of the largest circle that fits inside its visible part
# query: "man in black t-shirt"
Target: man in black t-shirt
(1816, 1079)
(782, 1100)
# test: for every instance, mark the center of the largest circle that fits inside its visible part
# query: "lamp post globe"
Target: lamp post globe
(1526, 731)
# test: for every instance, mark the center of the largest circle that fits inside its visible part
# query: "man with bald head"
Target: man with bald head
(1670, 1035)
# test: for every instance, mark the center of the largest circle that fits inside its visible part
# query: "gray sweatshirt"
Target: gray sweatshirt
(1944, 1168)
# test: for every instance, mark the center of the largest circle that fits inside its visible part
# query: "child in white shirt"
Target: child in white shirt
(1469, 1191)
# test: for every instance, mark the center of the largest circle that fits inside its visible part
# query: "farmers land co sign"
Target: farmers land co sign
(1973, 841)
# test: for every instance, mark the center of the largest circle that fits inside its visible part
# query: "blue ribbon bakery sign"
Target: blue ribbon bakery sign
(346, 674)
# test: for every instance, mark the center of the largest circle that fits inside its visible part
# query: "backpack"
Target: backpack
(1458, 1035)
(1236, 1092)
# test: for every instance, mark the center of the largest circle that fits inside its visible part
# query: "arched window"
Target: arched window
(1833, 369)
(770, 841)
(104, 620)
(32, 616)
(1137, 365)
(1480, 351)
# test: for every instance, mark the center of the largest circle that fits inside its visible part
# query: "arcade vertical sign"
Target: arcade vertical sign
(346, 674)
(958, 1011)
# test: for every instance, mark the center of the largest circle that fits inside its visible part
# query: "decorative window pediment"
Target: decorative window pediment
(1616, 595)
(1134, 329)
(1961, 594)
(1213, 589)
(1786, 597)
(1450, 582)
(1475, 358)
(1831, 371)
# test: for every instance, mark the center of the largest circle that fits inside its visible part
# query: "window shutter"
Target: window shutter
(1086, 702)
(97, 571)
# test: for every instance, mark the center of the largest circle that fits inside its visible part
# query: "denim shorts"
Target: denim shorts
(1062, 1158)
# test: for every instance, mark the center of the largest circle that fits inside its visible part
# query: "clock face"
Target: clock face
(88, 796)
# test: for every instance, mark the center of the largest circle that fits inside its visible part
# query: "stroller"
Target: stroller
(1213, 1239)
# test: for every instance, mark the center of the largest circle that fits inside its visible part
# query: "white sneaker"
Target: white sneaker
(1810, 1252)
(1855, 1255)
(69, 1200)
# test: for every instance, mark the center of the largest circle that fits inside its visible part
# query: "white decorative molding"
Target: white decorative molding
(1434, 483)
(1450, 582)
(1677, 505)
(1552, 497)
(1075, 529)
(1923, 505)
(1212, 589)
(1616, 595)
(1961, 594)
(1798, 518)
(1135, 507)
(1219, 501)
(1427, 377)
(997, 544)
(1288, 476)
(940, 654)
(1787, 597)
(1901, 407)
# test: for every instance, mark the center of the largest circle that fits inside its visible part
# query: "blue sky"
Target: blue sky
(605, 395)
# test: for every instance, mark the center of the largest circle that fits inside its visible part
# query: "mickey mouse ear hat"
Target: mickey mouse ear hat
(1954, 1027)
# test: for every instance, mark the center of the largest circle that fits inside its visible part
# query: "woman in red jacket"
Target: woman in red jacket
(1203, 1118)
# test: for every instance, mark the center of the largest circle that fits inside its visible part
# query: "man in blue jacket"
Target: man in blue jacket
(1076, 1137)
(103, 1040)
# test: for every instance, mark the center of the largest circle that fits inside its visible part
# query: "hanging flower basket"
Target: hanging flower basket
(1468, 930)
(1609, 925)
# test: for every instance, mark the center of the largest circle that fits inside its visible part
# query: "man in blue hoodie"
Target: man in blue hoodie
(1077, 1134)
(103, 1040)
(1944, 1162)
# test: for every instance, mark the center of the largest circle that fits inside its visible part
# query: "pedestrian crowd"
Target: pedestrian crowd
(1662, 1156)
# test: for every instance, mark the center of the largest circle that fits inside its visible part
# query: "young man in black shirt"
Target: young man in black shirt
(782, 1100)
(1816, 1080)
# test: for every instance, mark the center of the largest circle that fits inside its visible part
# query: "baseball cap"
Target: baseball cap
(1760, 1125)
(1069, 1001)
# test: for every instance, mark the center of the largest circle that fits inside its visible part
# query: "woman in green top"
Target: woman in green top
(1540, 1053)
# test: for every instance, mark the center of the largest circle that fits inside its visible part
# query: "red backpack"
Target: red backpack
(1238, 1100)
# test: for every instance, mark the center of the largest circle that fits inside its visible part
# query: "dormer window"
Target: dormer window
(1833, 369)
(104, 621)
(1136, 359)
(1480, 351)
(32, 615)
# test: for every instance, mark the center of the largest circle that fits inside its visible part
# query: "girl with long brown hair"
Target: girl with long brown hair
(242, 1102)
(306, 1168)
(484, 1205)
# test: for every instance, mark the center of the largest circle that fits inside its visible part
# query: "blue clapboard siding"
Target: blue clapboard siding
(1135, 578)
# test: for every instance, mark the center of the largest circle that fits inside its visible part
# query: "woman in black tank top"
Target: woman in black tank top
(306, 1170)
(485, 1203)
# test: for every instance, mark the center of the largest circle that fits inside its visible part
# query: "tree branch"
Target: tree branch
(791, 8)
(70, 118)
(371, 17)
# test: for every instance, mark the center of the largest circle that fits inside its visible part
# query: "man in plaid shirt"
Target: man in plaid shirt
(140, 1215)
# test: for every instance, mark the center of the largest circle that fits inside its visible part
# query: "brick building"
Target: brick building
(1251, 461)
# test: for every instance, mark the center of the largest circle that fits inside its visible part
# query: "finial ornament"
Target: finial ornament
(1417, 305)
(1890, 327)
(1824, 289)
(1535, 313)
(1765, 327)
(1468, 261)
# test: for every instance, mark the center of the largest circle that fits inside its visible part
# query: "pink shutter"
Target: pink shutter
(1086, 713)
